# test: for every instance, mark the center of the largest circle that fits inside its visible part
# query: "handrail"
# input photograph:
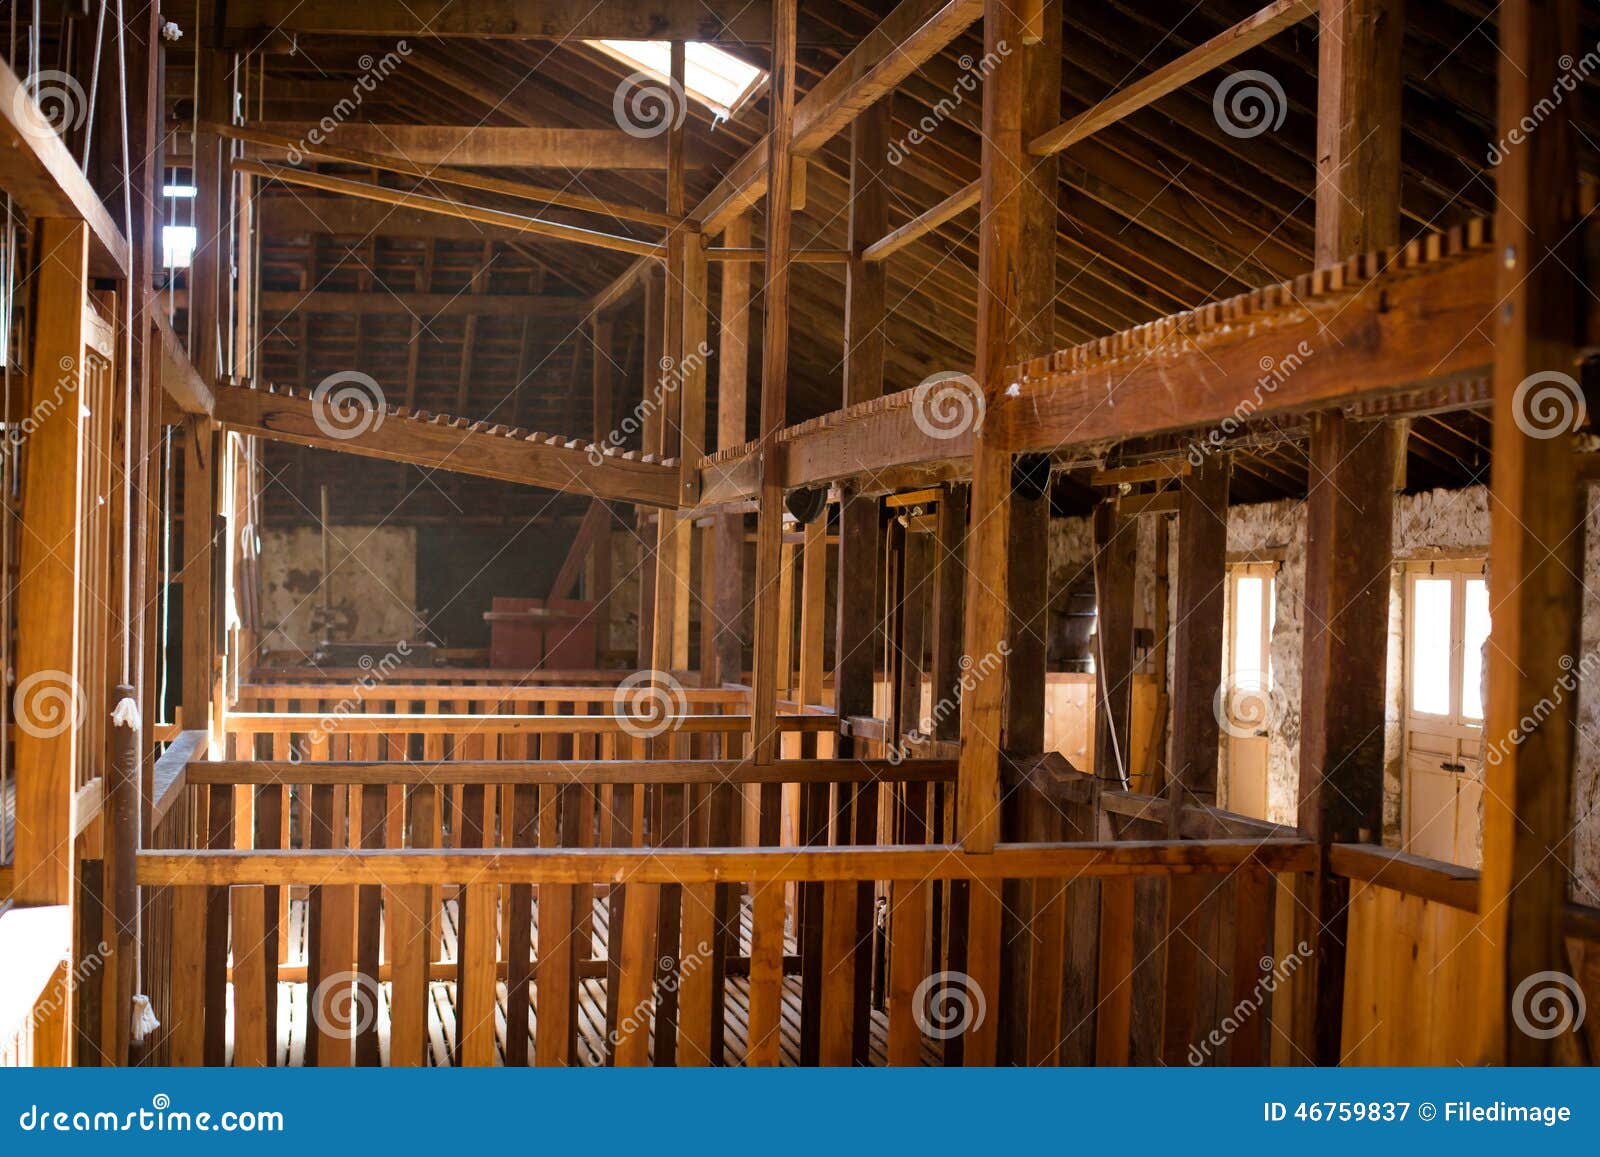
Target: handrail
(169, 776)
(541, 693)
(432, 866)
(281, 723)
(1439, 881)
(586, 772)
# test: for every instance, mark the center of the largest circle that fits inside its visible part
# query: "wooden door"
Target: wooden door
(1247, 695)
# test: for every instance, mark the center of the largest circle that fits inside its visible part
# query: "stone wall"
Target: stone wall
(1436, 524)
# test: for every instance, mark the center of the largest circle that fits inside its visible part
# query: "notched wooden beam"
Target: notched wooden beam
(441, 442)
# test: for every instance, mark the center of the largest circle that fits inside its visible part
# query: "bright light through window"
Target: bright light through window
(711, 76)
(177, 245)
(1430, 646)
(179, 190)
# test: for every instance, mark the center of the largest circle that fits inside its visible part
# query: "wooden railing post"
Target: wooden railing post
(122, 827)
(48, 698)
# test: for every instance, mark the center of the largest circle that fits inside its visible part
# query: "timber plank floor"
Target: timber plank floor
(293, 1017)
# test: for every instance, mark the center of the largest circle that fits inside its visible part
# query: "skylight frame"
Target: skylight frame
(705, 60)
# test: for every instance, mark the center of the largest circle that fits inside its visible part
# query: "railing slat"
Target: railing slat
(475, 989)
(636, 974)
(187, 1027)
(555, 977)
(1114, 1008)
(699, 990)
(984, 914)
(766, 976)
(251, 993)
(908, 967)
(842, 954)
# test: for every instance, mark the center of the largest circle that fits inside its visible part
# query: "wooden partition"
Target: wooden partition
(1410, 980)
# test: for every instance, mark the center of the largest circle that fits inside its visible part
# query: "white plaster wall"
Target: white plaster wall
(374, 584)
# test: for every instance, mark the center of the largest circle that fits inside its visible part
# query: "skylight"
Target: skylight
(711, 76)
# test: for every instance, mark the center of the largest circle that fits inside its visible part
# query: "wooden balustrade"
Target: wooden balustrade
(908, 952)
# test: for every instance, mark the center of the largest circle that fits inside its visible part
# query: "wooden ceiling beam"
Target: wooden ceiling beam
(1373, 335)
(45, 180)
(732, 22)
(497, 219)
(1225, 46)
(437, 442)
(443, 175)
(473, 146)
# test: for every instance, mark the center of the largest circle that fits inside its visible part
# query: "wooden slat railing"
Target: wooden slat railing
(923, 984)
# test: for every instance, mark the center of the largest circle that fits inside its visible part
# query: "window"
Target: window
(177, 245)
(717, 79)
(1446, 625)
(178, 234)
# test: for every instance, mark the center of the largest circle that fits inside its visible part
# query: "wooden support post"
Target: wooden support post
(733, 364)
(199, 567)
(866, 282)
(774, 389)
(691, 369)
(49, 700)
(654, 333)
(1033, 334)
(949, 592)
(1534, 552)
(857, 636)
(211, 270)
(1005, 161)
(1197, 635)
(1116, 545)
(1349, 513)
(122, 885)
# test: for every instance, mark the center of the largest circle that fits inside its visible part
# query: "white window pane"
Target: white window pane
(177, 245)
(1430, 645)
(711, 76)
(1475, 609)
(1249, 648)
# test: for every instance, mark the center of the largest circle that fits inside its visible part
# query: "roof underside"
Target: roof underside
(1161, 212)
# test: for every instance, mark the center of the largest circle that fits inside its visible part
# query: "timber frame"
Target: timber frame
(873, 800)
